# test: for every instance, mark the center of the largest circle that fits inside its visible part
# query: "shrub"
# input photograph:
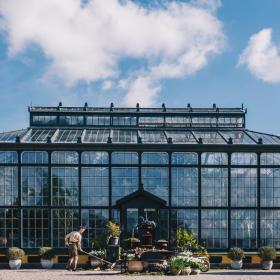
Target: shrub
(186, 241)
(15, 253)
(46, 253)
(236, 254)
(98, 253)
(177, 263)
(267, 253)
(113, 229)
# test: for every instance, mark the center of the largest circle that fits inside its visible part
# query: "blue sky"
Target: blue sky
(24, 74)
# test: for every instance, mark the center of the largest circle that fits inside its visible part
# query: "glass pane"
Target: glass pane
(124, 158)
(214, 158)
(184, 158)
(65, 157)
(270, 158)
(244, 159)
(95, 158)
(154, 158)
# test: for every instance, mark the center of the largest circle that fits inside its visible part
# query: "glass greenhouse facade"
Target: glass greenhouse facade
(194, 168)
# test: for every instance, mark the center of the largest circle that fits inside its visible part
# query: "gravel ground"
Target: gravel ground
(39, 274)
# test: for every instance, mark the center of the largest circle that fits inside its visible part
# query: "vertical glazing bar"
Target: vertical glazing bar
(229, 201)
(110, 185)
(19, 201)
(258, 202)
(80, 186)
(169, 194)
(199, 197)
(50, 199)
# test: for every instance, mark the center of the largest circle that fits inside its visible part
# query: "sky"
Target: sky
(152, 52)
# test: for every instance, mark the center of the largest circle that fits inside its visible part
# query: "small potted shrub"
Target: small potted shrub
(176, 265)
(267, 254)
(236, 255)
(15, 255)
(114, 232)
(47, 254)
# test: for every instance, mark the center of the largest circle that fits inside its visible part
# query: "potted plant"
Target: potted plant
(133, 264)
(15, 255)
(176, 265)
(267, 254)
(94, 262)
(47, 254)
(114, 232)
(236, 255)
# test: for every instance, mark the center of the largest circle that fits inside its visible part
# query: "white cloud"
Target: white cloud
(262, 57)
(107, 85)
(85, 42)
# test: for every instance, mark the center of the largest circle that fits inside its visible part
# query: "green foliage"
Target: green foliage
(98, 243)
(236, 254)
(267, 253)
(99, 253)
(177, 264)
(113, 229)
(186, 241)
(15, 253)
(46, 253)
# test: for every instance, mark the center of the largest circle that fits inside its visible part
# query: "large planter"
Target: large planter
(267, 265)
(15, 264)
(186, 271)
(175, 271)
(236, 265)
(195, 271)
(135, 266)
(46, 264)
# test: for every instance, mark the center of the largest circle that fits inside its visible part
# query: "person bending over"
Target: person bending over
(73, 241)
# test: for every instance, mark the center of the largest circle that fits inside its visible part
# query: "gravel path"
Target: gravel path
(38, 274)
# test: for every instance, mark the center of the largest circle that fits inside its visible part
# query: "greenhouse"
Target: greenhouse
(199, 169)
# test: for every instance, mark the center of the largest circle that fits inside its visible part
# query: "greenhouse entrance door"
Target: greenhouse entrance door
(143, 205)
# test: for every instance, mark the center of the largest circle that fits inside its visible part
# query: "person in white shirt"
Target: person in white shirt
(73, 241)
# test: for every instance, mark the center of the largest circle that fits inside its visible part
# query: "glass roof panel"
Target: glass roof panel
(124, 136)
(210, 137)
(96, 136)
(11, 135)
(152, 136)
(68, 135)
(38, 135)
(266, 138)
(181, 137)
(238, 137)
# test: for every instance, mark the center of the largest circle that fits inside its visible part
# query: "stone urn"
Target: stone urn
(267, 265)
(135, 266)
(236, 264)
(15, 264)
(46, 264)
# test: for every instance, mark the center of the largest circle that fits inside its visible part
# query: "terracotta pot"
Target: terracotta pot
(135, 266)
(46, 264)
(237, 265)
(175, 271)
(267, 265)
(15, 264)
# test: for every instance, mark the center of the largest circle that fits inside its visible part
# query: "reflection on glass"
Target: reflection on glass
(65, 188)
(95, 186)
(95, 158)
(184, 186)
(35, 186)
(8, 157)
(243, 187)
(95, 221)
(63, 222)
(270, 187)
(155, 181)
(124, 158)
(184, 158)
(243, 228)
(214, 226)
(35, 157)
(68, 157)
(9, 227)
(35, 228)
(243, 158)
(270, 158)
(8, 185)
(154, 158)
(214, 187)
(124, 181)
(214, 158)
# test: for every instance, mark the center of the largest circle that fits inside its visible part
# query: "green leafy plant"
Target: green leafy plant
(15, 253)
(177, 263)
(98, 253)
(46, 253)
(186, 241)
(236, 254)
(113, 229)
(98, 243)
(267, 253)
